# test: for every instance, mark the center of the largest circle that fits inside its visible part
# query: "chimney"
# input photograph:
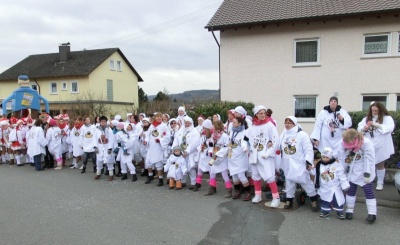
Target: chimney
(64, 50)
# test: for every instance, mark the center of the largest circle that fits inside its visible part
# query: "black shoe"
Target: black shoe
(144, 173)
(106, 173)
(289, 203)
(196, 187)
(349, 216)
(119, 174)
(83, 170)
(340, 215)
(124, 177)
(371, 218)
(160, 182)
(149, 179)
(134, 178)
(324, 214)
(94, 170)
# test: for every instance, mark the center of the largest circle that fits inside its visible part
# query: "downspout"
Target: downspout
(219, 64)
(37, 84)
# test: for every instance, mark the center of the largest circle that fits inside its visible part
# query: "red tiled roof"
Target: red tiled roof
(240, 12)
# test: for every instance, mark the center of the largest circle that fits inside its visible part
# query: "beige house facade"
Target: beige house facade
(295, 66)
(101, 76)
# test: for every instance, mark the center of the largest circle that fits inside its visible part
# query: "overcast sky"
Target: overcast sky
(164, 40)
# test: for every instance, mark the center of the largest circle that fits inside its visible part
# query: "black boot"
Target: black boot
(145, 172)
(134, 178)
(94, 169)
(289, 203)
(349, 216)
(124, 177)
(83, 170)
(197, 187)
(149, 179)
(160, 182)
(314, 204)
(106, 172)
(371, 218)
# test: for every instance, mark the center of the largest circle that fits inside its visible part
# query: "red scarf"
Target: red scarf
(78, 126)
(216, 136)
(62, 126)
(155, 123)
(259, 122)
(353, 146)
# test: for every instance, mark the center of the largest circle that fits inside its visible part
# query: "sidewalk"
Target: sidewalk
(388, 197)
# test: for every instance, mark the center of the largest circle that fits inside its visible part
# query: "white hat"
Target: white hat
(181, 108)
(117, 117)
(114, 122)
(146, 119)
(293, 119)
(327, 152)
(241, 110)
(207, 124)
(259, 108)
(188, 119)
(142, 114)
(128, 114)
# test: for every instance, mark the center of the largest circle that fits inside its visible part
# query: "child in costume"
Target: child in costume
(176, 167)
(330, 181)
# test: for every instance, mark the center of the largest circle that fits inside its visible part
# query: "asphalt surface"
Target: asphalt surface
(66, 207)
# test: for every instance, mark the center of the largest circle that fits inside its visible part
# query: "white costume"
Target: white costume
(175, 167)
(220, 149)
(296, 150)
(262, 158)
(88, 140)
(129, 147)
(203, 153)
(158, 138)
(238, 160)
(105, 142)
(381, 137)
(36, 141)
(326, 122)
(53, 136)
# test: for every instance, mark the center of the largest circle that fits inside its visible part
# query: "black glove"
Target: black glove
(245, 138)
(210, 144)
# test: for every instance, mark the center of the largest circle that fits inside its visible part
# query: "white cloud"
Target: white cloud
(185, 56)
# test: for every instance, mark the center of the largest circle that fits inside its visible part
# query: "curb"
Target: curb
(381, 203)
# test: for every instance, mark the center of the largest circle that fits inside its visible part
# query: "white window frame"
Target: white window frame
(51, 86)
(119, 65)
(371, 95)
(398, 43)
(64, 86)
(318, 62)
(112, 65)
(77, 87)
(389, 45)
(306, 119)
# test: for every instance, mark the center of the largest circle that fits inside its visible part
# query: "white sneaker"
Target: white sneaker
(379, 187)
(81, 167)
(256, 199)
(275, 202)
(58, 168)
(73, 167)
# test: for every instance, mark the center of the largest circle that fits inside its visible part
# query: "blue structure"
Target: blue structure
(24, 98)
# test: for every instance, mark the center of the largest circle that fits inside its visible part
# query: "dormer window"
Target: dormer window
(112, 65)
(119, 65)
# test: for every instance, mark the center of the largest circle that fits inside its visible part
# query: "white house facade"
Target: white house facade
(295, 66)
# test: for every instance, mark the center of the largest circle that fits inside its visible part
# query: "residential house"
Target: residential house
(292, 56)
(69, 79)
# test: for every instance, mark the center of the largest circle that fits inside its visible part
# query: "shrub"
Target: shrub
(221, 108)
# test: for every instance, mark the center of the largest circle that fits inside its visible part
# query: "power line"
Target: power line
(161, 27)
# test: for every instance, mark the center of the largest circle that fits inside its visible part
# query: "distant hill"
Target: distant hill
(193, 95)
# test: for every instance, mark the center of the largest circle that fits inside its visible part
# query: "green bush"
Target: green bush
(221, 108)
(357, 116)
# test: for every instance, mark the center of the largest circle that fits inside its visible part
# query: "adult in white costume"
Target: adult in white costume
(75, 137)
(331, 122)
(104, 156)
(264, 141)
(188, 139)
(88, 143)
(36, 143)
(53, 136)
(378, 126)
(297, 160)
(203, 155)
(157, 140)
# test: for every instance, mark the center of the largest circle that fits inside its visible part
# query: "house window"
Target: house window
(307, 51)
(74, 87)
(119, 65)
(398, 103)
(398, 43)
(112, 65)
(377, 44)
(110, 90)
(34, 87)
(64, 86)
(305, 106)
(53, 88)
(368, 99)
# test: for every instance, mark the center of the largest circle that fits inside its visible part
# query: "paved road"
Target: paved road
(66, 207)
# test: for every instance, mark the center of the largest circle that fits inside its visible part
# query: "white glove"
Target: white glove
(367, 178)
(264, 156)
(211, 162)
